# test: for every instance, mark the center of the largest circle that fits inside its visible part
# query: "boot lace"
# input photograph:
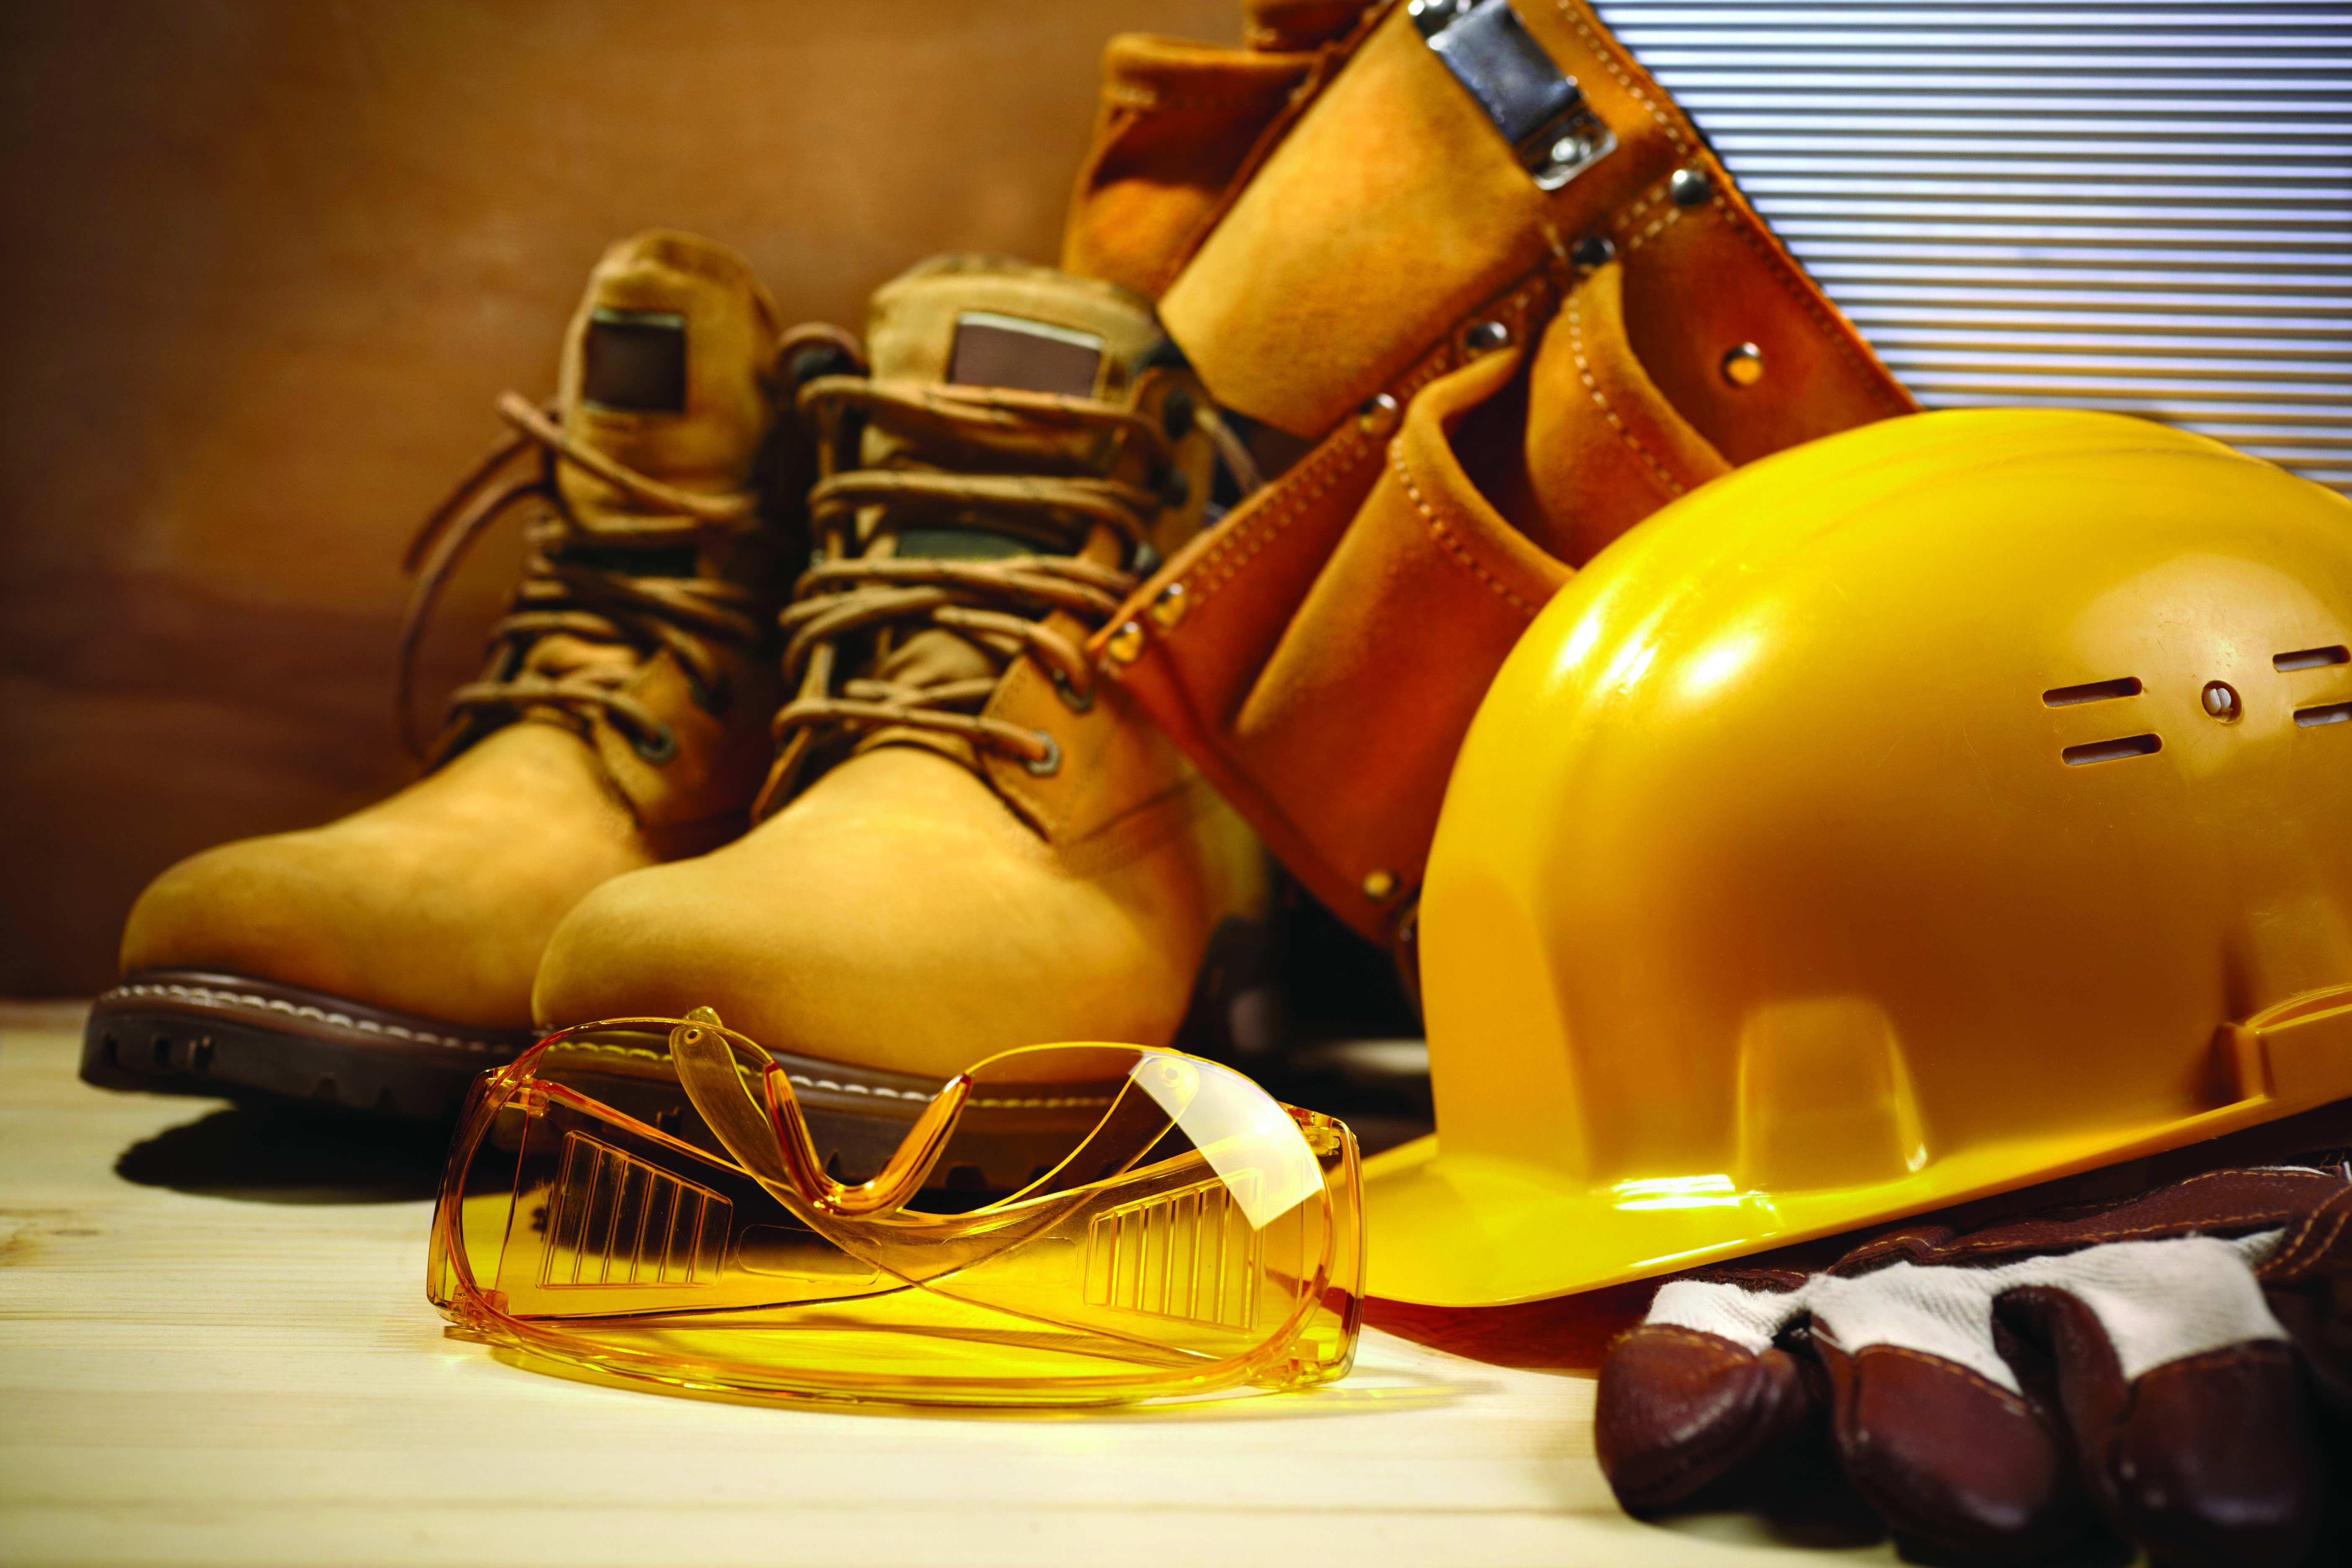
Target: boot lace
(999, 605)
(577, 583)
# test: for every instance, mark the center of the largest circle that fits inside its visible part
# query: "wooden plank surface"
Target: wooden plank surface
(215, 1347)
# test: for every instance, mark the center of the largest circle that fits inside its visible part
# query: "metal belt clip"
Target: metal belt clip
(1539, 108)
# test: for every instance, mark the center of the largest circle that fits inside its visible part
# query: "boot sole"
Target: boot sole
(198, 1032)
(176, 1031)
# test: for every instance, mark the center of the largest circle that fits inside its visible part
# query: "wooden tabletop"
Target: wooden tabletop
(217, 1350)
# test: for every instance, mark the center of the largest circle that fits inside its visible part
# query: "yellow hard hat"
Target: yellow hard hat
(1929, 811)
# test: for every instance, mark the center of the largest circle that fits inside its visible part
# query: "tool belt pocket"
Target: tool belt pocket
(1501, 356)
(1321, 653)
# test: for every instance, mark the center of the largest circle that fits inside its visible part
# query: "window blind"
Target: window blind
(2143, 207)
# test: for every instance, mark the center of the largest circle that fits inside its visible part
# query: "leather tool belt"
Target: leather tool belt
(1472, 261)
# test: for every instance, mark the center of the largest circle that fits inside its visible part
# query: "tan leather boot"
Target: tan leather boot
(383, 960)
(970, 843)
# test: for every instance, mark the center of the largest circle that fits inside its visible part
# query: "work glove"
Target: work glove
(2175, 1368)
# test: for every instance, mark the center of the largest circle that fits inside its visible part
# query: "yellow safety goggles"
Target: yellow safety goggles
(1061, 1225)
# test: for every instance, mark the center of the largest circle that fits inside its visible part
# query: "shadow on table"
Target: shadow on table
(1802, 1503)
(298, 1156)
(1818, 1522)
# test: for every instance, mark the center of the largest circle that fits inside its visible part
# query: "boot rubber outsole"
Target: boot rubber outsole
(200, 1032)
(178, 1031)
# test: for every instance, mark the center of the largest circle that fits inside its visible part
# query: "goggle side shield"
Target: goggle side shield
(1061, 1225)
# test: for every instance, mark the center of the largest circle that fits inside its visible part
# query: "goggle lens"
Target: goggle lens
(1062, 1224)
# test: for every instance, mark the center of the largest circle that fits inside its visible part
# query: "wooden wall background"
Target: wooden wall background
(267, 262)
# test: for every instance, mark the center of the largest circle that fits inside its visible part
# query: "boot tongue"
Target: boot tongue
(972, 320)
(662, 373)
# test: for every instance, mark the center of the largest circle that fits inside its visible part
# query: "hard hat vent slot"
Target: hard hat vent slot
(2311, 659)
(2330, 713)
(2114, 751)
(2092, 691)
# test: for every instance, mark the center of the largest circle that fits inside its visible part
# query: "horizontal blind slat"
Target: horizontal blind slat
(2141, 206)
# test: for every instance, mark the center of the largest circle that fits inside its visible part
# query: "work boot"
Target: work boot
(383, 960)
(970, 843)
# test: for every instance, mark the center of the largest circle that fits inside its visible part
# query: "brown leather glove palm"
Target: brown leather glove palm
(2164, 1368)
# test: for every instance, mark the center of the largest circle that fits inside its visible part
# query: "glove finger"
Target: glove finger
(1953, 1462)
(2206, 1460)
(1681, 1409)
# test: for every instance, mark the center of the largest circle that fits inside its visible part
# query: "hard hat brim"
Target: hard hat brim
(1477, 1231)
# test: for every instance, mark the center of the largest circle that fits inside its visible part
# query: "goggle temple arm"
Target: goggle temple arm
(774, 1144)
(902, 1175)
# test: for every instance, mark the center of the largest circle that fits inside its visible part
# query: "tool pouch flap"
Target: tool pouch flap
(1182, 127)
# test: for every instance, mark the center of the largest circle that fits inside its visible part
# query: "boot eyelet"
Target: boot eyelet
(712, 698)
(1075, 701)
(1176, 414)
(1051, 763)
(658, 747)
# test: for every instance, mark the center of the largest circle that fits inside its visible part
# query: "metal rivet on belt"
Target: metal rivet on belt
(1377, 418)
(1580, 146)
(1689, 187)
(1126, 645)
(1379, 886)
(1743, 364)
(1594, 250)
(1486, 337)
(1170, 606)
